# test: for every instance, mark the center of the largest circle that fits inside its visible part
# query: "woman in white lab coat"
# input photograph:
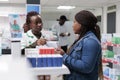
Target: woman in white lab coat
(33, 37)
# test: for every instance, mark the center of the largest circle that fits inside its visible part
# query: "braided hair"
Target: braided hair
(88, 23)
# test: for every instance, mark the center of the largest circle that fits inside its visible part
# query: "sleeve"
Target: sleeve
(23, 41)
(24, 44)
(88, 59)
(33, 45)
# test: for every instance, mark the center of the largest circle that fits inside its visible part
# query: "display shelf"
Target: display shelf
(106, 78)
(36, 71)
(114, 45)
(111, 61)
(105, 60)
(51, 70)
(15, 68)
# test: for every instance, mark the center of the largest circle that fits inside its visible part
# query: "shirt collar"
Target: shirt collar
(30, 34)
(89, 33)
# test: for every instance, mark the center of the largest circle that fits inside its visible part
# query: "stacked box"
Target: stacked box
(32, 59)
(111, 52)
(57, 60)
(49, 58)
(43, 57)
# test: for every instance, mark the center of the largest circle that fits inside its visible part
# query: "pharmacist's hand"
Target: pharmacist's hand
(69, 34)
(41, 41)
(62, 34)
(59, 51)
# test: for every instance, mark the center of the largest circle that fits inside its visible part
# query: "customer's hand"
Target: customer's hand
(59, 51)
(41, 41)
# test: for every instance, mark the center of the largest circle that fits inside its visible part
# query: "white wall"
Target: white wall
(54, 15)
(4, 25)
(5, 10)
(104, 17)
(118, 18)
(98, 11)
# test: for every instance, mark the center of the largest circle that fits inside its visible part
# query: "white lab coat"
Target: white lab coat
(62, 41)
(28, 39)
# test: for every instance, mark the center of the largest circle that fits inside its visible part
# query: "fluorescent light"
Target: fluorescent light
(65, 7)
(3, 0)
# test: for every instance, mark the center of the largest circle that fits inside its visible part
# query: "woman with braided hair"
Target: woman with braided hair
(84, 56)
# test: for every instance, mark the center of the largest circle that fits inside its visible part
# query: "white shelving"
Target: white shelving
(111, 53)
(51, 70)
(106, 60)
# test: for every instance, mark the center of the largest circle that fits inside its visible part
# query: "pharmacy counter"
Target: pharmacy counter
(51, 70)
(17, 68)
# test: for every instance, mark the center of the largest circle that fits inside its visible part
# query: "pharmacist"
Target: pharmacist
(33, 37)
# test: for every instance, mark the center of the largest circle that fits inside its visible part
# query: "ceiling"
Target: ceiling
(52, 4)
(67, 2)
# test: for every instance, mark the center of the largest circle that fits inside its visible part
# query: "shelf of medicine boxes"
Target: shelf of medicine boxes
(106, 78)
(111, 44)
(111, 60)
(56, 70)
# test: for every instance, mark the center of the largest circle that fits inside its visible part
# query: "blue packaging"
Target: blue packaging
(54, 60)
(39, 62)
(106, 71)
(32, 61)
(44, 61)
(49, 61)
(59, 61)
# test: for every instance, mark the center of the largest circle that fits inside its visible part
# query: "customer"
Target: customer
(84, 56)
(33, 37)
(61, 30)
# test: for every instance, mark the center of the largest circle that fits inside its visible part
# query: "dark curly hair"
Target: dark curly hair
(29, 15)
